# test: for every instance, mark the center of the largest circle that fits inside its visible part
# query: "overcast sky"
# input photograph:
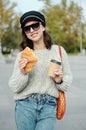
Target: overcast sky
(27, 5)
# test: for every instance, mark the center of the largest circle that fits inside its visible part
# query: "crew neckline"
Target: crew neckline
(41, 50)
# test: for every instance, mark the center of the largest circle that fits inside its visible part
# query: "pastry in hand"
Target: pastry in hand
(32, 59)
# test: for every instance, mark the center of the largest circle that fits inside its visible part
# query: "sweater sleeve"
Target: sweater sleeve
(67, 75)
(18, 81)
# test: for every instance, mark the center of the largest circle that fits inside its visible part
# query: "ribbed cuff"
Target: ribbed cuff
(59, 82)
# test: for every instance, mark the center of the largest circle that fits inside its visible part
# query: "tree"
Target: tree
(63, 23)
(8, 25)
(71, 26)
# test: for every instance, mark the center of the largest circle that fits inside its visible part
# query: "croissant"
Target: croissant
(32, 59)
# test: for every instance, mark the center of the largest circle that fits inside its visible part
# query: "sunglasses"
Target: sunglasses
(34, 26)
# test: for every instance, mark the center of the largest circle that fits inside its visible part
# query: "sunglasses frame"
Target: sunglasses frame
(34, 26)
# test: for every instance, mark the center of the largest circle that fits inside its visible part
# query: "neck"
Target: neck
(39, 45)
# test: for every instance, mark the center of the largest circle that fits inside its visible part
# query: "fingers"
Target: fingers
(58, 79)
(22, 63)
(58, 72)
(58, 75)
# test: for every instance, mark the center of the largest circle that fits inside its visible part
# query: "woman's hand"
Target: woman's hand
(58, 76)
(22, 63)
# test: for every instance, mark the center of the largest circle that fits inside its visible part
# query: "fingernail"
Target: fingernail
(56, 72)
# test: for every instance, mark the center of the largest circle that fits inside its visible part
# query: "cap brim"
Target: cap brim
(31, 17)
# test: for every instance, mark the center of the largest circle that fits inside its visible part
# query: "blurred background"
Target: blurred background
(66, 22)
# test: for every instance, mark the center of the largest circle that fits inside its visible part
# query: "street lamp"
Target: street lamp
(80, 37)
(80, 30)
(80, 26)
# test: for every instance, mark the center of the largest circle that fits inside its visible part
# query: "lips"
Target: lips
(34, 35)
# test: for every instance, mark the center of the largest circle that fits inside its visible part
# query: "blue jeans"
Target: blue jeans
(37, 112)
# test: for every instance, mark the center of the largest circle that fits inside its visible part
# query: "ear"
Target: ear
(43, 29)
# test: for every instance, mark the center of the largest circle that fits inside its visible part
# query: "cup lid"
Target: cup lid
(55, 61)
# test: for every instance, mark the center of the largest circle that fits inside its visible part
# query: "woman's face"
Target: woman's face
(34, 30)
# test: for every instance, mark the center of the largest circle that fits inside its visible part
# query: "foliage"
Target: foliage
(9, 26)
(64, 23)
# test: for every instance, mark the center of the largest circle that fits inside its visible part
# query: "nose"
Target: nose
(31, 29)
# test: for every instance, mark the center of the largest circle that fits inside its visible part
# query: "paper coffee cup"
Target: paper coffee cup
(52, 67)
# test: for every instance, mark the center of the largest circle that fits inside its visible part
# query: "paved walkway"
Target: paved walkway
(75, 117)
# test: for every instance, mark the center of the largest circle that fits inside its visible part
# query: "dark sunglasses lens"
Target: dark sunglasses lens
(35, 27)
(27, 29)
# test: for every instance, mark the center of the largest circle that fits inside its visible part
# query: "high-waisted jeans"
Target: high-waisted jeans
(37, 112)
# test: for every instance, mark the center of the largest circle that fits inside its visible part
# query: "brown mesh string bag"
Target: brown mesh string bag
(61, 100)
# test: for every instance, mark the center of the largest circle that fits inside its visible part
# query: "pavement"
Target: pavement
(75, 116)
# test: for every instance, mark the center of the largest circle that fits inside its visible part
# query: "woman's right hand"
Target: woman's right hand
(22, 63)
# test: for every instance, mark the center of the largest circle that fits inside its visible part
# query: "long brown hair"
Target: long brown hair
(27, 42)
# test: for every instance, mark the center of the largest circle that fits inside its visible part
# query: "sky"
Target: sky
(27, 5)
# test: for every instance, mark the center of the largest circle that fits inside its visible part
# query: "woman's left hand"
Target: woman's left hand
(58, 76)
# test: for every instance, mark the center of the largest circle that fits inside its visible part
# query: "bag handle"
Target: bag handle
(60, 51)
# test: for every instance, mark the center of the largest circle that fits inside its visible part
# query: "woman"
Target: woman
(35, 93)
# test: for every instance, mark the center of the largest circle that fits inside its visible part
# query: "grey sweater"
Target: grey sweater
(38, 81)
